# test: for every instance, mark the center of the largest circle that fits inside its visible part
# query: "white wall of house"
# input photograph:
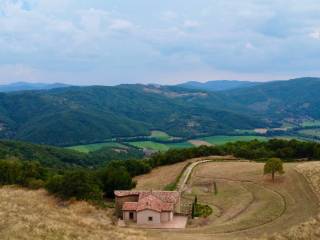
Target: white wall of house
(126, 216)
(148, 217)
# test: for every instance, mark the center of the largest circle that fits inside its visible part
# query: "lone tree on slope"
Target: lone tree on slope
(273, 166)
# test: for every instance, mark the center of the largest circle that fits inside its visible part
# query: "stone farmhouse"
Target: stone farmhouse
(153, 208)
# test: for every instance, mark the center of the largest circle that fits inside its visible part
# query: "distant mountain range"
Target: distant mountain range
(23, 86)
(79, 115)
(218, 85)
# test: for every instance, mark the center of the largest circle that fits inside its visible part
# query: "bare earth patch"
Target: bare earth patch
(34, 215)
(199, 143)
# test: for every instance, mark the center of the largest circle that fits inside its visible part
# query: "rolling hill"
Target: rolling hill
(24, 86)
(279, 100)
(218, 85)
(78, 115)
(61, 158)
(82, 115)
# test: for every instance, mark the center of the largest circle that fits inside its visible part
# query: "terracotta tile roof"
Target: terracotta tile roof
(160, 201)
(125, 193)
(130, 206)
(166, 196)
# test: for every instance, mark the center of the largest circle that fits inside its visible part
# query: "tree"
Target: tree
(273, 166)
(193, 211)
(79, 184)
(113, 178)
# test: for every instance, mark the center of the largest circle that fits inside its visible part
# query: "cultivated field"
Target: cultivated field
(248, 204)
(311, 123)
(159, 146)
(218, 140)
(94, 147)
(315, 132)
(161, 135)
(33, 215)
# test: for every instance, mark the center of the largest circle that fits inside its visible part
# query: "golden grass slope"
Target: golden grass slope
(311, 229)
(35, 215)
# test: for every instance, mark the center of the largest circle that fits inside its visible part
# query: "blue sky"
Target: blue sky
(167, 41)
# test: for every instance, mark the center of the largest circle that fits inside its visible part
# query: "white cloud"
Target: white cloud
(191, 24)
(107, 37)
(169, 16)
(249, 45)
(315, 34)
(121, 25)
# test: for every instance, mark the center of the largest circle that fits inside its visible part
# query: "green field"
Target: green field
(311, 123)
(311, 132)
(95, 147)
(159, 146)
(218, 140)
(244, 131)
(162, 136)
(215, 140)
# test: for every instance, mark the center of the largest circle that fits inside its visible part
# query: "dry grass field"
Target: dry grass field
(160, 177)
(33, 215)
(248, 205)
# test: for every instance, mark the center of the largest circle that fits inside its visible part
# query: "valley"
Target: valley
(72, 116)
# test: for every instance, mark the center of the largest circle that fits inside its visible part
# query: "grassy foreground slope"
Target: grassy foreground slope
(248, 204)
(36, 215)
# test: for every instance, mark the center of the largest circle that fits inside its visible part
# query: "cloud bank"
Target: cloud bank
(112, 42)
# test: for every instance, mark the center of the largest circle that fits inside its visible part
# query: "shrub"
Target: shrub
(35, 183)
(78, 184)
(113, 178)
(202, 210)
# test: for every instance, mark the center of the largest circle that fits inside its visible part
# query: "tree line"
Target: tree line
(85, 183)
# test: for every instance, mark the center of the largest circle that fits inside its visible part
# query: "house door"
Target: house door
(131, 215)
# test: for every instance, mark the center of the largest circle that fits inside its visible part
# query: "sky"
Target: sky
(109, 42)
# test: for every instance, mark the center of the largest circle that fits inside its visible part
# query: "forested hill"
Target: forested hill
(24, 86)
(75, 115)
(278, 100)
(60, 158)
(218, 85)
(81, 115)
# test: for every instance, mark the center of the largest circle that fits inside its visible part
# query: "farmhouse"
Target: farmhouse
(154, 208)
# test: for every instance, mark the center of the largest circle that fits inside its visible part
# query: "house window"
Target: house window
(131, 215)
(150, 219)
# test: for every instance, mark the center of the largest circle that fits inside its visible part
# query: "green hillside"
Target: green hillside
(83, 115)
(56, 157)
(295, 99)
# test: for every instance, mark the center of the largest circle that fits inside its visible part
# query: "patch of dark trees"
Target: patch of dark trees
(94, 184)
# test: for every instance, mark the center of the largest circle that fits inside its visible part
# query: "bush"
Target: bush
(113, 178)
(35, 183)
(202, 210)
(78, 184)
